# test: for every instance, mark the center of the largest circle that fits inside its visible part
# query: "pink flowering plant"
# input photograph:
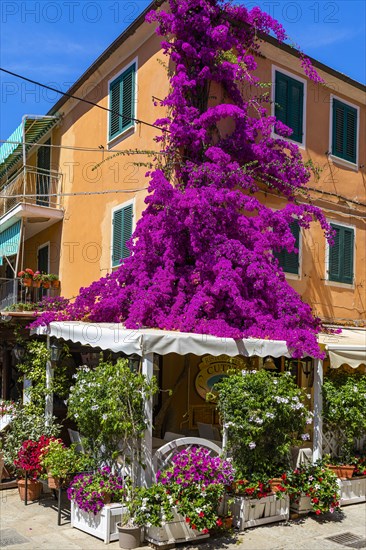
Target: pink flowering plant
(90, 491)
(30, 455)
(194, 484)
(7, 407)
(204, 253)
(317, 482)
(265, 415)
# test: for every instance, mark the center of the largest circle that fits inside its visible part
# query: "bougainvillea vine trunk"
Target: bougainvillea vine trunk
(204, 254)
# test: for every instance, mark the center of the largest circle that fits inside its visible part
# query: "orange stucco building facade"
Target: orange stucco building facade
(94, 178)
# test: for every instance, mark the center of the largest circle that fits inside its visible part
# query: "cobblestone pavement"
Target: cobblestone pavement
(36, 524)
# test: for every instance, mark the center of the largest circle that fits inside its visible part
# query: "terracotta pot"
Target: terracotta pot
(46, 284)
(107, 499)
(34, 489)
(228, 522)
(275, 483)
(53, 482)
(55, 284)
(345, 471)
(36, 284)
(27, 282)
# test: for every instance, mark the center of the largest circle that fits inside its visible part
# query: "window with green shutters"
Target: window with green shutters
(122, 102)
(122, 232)
(340, 267)
(289, 261)
(344, 131)
(289, 104)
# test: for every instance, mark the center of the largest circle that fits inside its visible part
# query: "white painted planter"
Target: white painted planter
(353, 490)
(5, 421)
(102, 525)
(302, 505)
(172, 532)
(252, 512)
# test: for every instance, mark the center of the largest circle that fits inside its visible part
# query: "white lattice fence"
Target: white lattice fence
(333, 448)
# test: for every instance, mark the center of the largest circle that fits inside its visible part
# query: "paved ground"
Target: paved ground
(37, 525)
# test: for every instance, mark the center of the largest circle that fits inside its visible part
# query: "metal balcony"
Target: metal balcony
(32, 186)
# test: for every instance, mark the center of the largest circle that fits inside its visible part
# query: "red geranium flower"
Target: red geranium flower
(318, 512)
(219, 522)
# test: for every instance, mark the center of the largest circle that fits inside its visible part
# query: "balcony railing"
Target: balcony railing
(9, 292)
(31, 186)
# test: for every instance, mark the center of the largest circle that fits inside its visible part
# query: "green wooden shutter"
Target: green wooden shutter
(127, 230)
(128, 97)
(122, 102)
(122, 232)
(281, 105)
(289, 261)
(347, 263)
(289, 103)
(341, 255)
(344, 131)
(115, 106)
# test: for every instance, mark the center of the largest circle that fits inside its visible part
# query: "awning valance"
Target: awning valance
(346, 348)
(9, 240)
(117, 338)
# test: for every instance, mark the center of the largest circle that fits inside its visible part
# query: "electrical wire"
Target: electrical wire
(100, 149)
(131, 119)
(75, 194)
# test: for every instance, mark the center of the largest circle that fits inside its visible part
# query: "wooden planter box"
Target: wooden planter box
(301, 505)
(353, 490)
(173, 532)
(102, 525)
(252, 512)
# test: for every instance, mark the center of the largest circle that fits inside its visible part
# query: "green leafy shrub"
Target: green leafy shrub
(344, 409)
(265, 415)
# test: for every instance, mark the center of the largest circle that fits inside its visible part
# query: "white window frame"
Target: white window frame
(275, 69)
(132, 129)
(334, 158)
(328, 282)
(114, 209)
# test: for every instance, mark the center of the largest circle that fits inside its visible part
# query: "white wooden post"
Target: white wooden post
(49, 396)
(146, 475)
(318, 410)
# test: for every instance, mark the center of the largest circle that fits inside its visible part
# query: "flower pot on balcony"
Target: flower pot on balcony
(36, 284)
(46, 284)
(55, 284)
(27, 282)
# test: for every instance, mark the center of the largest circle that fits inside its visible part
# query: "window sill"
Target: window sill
(349, 286)
(343, 162)
(301, 145)
(292, 276)
(123, 135)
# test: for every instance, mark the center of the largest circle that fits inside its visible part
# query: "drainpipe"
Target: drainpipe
(318, 410)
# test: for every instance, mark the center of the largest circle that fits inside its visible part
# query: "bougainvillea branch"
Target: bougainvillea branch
(203, 256)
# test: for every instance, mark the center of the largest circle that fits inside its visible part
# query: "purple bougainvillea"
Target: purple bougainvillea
(203, 256)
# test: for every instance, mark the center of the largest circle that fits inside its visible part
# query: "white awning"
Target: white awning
(346, 348)
(116, 337)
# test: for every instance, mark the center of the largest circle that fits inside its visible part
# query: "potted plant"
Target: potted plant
(312, 488)
(26, 276)
(54, 280)
(60, 462)
(37, 279)
(96, 498)
(256, 503)
(183, 505)
(28, 462)
(46, 283)
(265, 415)
(344, 415)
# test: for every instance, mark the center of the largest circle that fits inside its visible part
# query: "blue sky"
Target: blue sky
(54, 42)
